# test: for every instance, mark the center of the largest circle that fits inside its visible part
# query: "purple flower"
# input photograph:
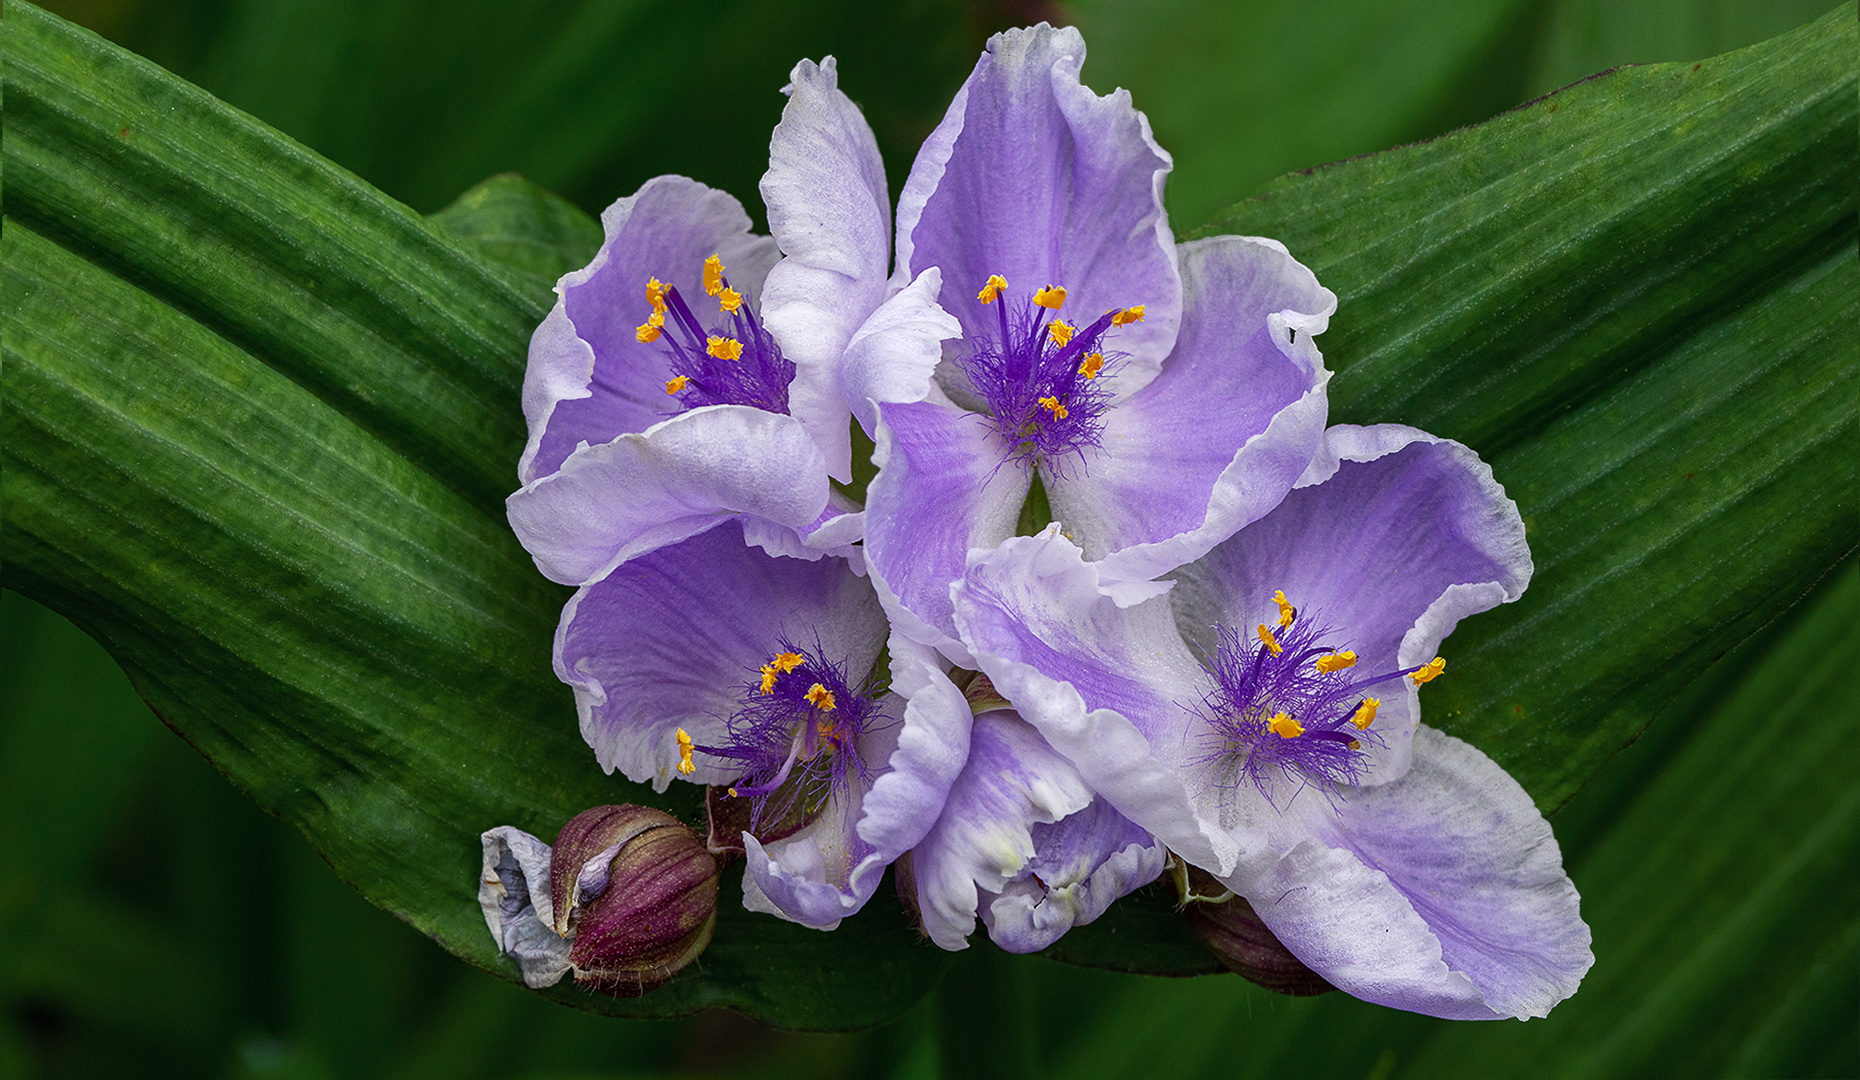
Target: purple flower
(1165, 395)
(692, 371)
(1260, 716)
(1023, 840)
(712, 661)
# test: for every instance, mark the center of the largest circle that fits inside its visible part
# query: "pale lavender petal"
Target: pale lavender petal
(817, 876)
(829, 869)
(983, 840)
(1224, 431)
(1025, 841)
(830, 212)
(674, 638)
(942, 488)
(513, 893)
(836, 532)
(932, 745)
(1406, 537)
(1082, 865)
(1103, 675)
(893, 357)
(1034, 177)
(612, 502)
(588, 378)
(1442, 893)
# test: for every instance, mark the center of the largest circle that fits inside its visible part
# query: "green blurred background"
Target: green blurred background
(153, 922)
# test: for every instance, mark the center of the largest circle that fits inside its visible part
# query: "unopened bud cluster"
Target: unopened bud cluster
(625, 899)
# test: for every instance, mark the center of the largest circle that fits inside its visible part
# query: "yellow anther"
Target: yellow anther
(655, 294)
(1354, 745)
(820, 697)
(788, 661)
(724, 348)
(1430, 671)
(677, 383)
(649, 330)
(1050, 297)
(768, 679)
(1266, 639)
(1091, 365)
(1128, 316)
(730, 300)
(713, 275)
(1336, 661)
(1365, 714)
(685, 764)
(1285, 727)
(1052, 405)
(1286, 611)
(1062, 331)
(992, 290)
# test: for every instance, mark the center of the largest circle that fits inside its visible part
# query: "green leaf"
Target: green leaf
(1725, 911)
(534, 234)
(259, 422)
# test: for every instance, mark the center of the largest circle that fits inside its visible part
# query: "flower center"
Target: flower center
(739, 364)
(1288, 700)
(1043, 379)
(796, 736)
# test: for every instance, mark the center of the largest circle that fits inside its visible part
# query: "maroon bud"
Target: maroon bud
(636, 892)
(1234, 933)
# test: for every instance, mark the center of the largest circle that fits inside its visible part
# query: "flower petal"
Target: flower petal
(1034, 177)
(1408, 535)
(942, 488)
(1024, 838)
(1442, 893)
(513, 892)
(931, 747)
(1224, 431)
(588, 378)
(819, 874)
(830, 212)
(612, 502)
(829, 869)
(1100, 670)
(674, 638)
(893, 357)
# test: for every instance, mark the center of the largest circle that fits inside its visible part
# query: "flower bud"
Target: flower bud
(1234, 933)
(636, 892)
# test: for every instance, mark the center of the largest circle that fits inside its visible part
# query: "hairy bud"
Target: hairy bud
(1234, 933)
(635, 891)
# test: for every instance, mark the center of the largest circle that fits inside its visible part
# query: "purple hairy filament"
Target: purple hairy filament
(737, 364)
(1287, 701)
(1043, 382)
(796, 738)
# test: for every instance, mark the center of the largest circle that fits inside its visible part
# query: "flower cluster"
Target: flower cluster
(1208, 668)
